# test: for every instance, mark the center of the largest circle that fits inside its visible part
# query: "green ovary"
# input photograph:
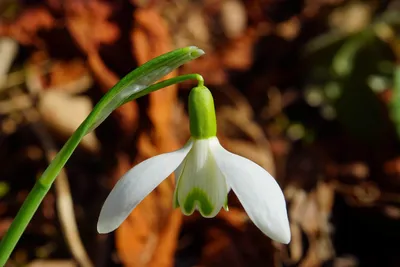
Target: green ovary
(197, 198)
(203, 123)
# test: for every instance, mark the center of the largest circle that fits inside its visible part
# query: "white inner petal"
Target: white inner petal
(201, 185)
(177, 174)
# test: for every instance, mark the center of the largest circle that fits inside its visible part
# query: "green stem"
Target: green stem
(43, 185)
(166, 83)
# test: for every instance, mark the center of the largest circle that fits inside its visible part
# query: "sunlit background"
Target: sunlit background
(307, 89)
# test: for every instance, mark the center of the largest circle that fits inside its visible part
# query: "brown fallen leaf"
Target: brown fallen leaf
(238, 54)
(52, 263)
(64, 113)
(69, 76)
(24, 29)
(149, 236)
(309, 214)
(87, 21)
(233, 18)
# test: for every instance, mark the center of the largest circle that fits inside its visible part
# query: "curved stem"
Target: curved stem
(43, 185)
(166, 83)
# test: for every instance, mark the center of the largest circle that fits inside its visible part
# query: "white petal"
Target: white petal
(177, 174)
(201, 185)
(135, 185)
(257, 190)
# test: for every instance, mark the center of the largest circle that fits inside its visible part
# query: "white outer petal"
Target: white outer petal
(135, 185)
(258, 191)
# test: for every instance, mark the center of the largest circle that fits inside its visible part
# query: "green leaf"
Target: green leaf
(138, 80)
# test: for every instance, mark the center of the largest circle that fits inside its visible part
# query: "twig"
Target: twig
(63, 193)
(64, 201)
(8, 49)
(21, 102)
(65, 208)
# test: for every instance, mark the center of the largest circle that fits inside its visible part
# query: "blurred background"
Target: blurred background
(308, 89)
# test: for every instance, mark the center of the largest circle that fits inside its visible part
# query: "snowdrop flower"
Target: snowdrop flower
(205, 172)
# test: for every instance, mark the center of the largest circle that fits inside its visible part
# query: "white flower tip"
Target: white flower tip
(104, 227)
(109, 222)
(101, 229)
(280, 232)
(286, 240)
(285, 236)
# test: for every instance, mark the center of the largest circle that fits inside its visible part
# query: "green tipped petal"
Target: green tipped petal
(175, 203)
(201, 185)
(203, 123)
(226, 207)
(198, 199)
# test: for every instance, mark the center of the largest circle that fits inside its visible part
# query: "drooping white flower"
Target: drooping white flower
(205, 173)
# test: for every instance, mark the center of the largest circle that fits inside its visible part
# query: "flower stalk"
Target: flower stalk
(134, 85)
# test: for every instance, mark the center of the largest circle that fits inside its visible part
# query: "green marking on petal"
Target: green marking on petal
(175, 203)
(198, 198)
(178, 175)
(226, 204)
